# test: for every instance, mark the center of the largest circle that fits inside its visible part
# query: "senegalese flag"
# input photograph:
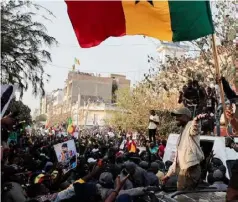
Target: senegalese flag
(76, 61)
(70, 128)
(169, 20)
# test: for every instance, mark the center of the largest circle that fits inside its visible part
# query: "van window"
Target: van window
(230, 164)
(206, 146)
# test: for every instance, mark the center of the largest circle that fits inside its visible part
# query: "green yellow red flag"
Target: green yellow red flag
(76, 61)
(70, 128)
(169, 20)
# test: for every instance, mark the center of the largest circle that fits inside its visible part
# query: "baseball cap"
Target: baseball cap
(182, 111)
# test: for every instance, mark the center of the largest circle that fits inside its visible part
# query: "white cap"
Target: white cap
(91, 160)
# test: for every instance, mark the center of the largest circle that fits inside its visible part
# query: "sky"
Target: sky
(124, 55)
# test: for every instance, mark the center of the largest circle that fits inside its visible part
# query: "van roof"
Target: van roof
(207, 137)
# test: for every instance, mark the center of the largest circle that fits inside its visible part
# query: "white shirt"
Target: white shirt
(111, 134)
(134, 136)
(152, 125)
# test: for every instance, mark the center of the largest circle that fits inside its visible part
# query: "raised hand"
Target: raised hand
(200, 116)
(120, 183)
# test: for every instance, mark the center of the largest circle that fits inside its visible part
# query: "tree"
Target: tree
(172, 75)
(134, 106)
(114, 90)
(159, 89)
(40, 118)
(24, 42)
(22, 112)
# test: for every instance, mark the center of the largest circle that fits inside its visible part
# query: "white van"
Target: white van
(207, 143)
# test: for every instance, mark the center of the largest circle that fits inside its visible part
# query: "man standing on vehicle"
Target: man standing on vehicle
(189, 154)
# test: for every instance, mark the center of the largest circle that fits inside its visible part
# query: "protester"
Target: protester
(218, 183)
(210, 101)
(190, 97)
(153, 122)
(162, 149)
(189, 154)
(30, 172)
(151, 174)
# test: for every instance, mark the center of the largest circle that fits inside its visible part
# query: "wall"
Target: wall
(95, 113)
(172, 50)
(58, 97)
(92, 88)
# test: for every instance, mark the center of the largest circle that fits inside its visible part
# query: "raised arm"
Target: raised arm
(194, 129)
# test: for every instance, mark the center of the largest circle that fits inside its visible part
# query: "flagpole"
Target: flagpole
(218, 75)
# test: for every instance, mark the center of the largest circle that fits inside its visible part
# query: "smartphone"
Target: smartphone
(124, 172)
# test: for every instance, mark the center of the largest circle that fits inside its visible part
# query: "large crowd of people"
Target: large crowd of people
(108, 165)
(199, 99)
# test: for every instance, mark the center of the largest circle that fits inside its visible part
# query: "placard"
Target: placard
(66, 154)
(170, 150)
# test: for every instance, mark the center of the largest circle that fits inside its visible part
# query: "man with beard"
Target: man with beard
(189, 154)
(64, 156)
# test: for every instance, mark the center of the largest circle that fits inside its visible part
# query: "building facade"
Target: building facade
(88, 85)
(173, 50)
(86, 98)
(92, 114)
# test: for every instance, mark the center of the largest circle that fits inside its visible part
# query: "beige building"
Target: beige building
(92, 114)
(86, 98)
(82, 86)
(44, 103)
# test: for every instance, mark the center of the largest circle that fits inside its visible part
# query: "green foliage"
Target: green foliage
(24, 43)
(23, 111)
(134, 106)
(41, 118)
(114, 90)
(160, 86)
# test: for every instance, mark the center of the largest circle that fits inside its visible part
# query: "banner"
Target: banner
(66, 154)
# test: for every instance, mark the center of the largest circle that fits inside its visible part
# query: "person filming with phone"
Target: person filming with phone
(189, 154)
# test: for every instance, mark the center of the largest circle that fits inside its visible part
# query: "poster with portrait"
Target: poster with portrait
(170, 150)
(66, 154)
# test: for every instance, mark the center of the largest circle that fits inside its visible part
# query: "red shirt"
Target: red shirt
(161, 151)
